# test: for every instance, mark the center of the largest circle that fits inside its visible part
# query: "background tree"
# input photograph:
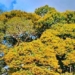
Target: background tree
(1, 11)
(43, 10)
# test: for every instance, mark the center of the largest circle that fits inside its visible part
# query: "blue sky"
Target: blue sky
(31, 5)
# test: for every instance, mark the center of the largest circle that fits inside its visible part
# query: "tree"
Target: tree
(51, 18)
(43, 10)
(17, 26)
(40, 43)
(1, 11)
(32, 57)
(2, 30)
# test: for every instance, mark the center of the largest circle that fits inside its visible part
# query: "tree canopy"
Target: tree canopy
(39, 43)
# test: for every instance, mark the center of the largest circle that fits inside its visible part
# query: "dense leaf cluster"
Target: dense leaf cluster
(39, 43)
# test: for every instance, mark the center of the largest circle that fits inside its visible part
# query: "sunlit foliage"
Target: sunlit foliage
(40, 43)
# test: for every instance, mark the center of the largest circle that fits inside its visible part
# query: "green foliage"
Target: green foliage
(43, 10)
(1, 11)
(65, 30)
(69, 16)
(2, 30)
(51, 18)
(18, 25)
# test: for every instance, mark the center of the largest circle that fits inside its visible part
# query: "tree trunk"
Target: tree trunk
(70, 68)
